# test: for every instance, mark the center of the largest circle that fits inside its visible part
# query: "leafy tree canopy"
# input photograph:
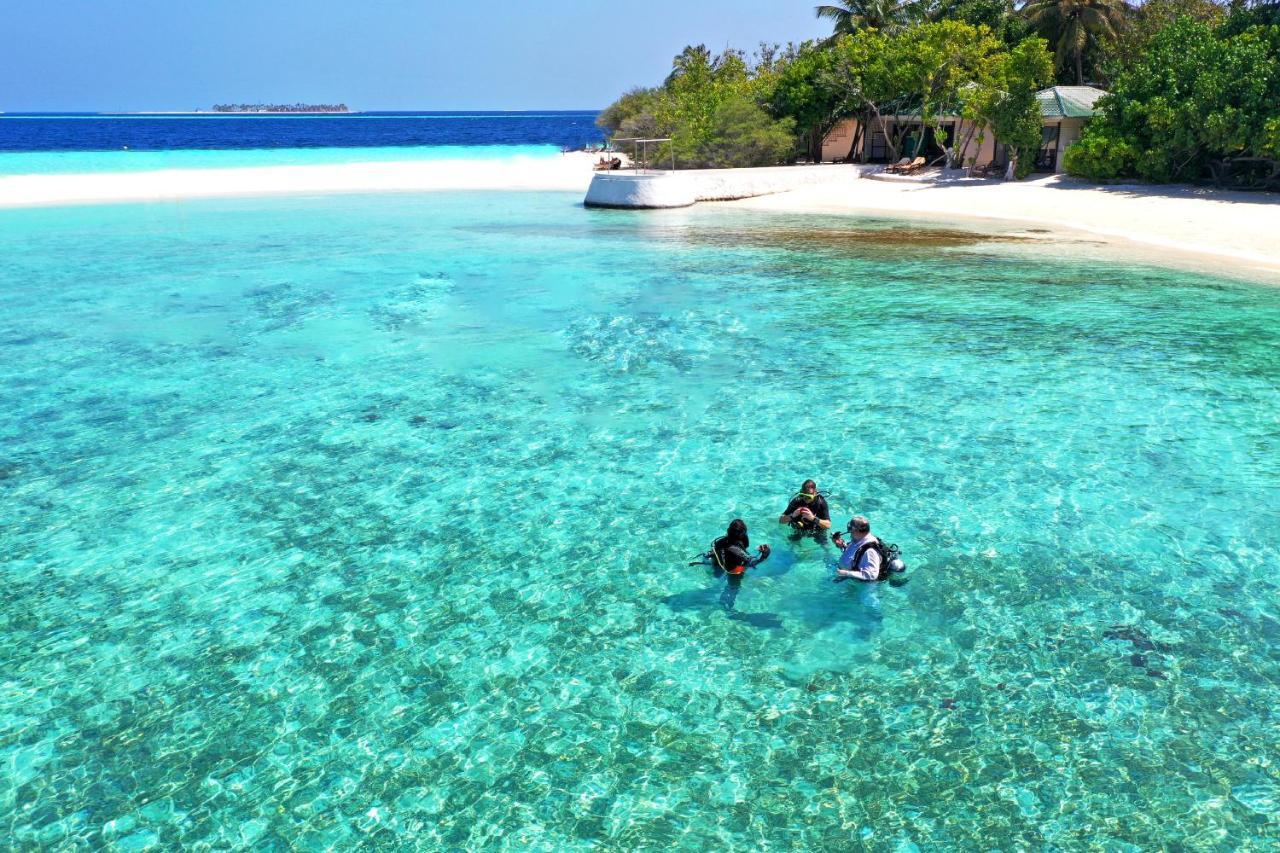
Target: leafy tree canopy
(854, 16)
(705, 104)
(1006, 101)
(925, 70)
(1073, 27)
(1195, 96)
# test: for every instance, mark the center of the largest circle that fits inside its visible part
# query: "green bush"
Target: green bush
(1099, 157)
(712, 108)
(1196, 95)
(743, 134)
(631, 106)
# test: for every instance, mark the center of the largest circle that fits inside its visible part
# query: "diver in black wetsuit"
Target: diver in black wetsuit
(807, 513)
(731, 558)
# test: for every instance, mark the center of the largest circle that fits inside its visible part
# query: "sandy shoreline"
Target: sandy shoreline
(1203, 228)
(1235, 232)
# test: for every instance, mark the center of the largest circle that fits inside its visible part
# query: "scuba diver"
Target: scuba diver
(866, 558)
(808, 511)
(731, 558)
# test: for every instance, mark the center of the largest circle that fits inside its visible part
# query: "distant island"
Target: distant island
(280, 108)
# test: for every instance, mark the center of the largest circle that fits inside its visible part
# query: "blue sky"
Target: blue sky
(376, 54)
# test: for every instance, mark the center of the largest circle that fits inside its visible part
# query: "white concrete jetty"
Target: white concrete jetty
(640, 190)
(651, 189)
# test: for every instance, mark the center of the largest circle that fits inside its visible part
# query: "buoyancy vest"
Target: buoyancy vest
(888, 554)
(720, 556)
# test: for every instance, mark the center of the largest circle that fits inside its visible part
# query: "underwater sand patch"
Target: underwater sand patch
(896, 237)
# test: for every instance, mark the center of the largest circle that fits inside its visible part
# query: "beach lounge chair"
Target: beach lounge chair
(914, 166)
(906, 167)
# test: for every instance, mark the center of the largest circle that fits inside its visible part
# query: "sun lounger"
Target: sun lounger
(906, 167)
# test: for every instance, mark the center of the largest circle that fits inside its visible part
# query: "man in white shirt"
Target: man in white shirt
(857, 561)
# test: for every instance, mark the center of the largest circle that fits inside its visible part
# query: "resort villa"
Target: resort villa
(1064, 111)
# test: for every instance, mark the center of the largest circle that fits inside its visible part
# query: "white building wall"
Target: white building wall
(1068, 136)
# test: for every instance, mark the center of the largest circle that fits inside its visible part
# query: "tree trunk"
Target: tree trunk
(1012, 169)
(853, 146)
(864, 120)
(1079, 68)
(956, 157)
(884, 128)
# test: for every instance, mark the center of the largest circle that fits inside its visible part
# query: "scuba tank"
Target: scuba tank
(891, 562)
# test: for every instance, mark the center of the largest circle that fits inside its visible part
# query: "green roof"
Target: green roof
(1068, 101)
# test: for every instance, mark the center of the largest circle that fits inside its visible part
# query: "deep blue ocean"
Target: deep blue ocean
(102, 132)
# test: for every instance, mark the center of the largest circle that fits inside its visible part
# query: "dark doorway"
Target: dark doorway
(1047, 156)
(934, 142)
(879, 147)
(908, 134)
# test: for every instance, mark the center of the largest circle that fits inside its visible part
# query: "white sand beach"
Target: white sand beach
(1178, 224)
(1201, 227)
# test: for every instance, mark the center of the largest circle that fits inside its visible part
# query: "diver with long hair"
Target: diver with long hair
(730, 557)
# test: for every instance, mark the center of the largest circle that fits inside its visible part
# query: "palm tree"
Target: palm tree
(1070, 25)
(853, 15)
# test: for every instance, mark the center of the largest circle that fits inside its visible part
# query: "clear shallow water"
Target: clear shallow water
(92, 162)
(367, 520)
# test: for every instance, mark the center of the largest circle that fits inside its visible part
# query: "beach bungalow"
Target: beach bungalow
(1064, 109)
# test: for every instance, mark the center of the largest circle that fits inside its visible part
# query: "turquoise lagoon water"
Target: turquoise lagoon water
(361, 521)
(92, 162)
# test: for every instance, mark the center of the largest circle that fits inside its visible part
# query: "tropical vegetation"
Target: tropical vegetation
(856, 15)
(1201, 101)
(734, 110)
(1195, 86)
(1074, 26)
(712, 107)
